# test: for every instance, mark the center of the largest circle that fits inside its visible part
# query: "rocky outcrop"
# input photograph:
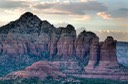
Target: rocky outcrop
(65, 44)
(94, 54)
(26, 35)
(31, 39)
(103, 61)
(83, 42)
(103, 54)
(108, 49)
(36, 37)
(56, 33)
(108, 53)
(30, 36)
(41, 69)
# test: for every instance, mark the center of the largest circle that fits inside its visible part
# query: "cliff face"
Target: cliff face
(65, 44)
(30, 36)
(83, 42)
(108, 50)
(103, 54)
(94, 54)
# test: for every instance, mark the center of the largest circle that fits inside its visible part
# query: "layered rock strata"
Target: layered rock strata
(103, 61)
(32, 36)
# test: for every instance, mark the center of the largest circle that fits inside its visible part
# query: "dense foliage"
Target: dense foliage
(62, 81)
(10, 63)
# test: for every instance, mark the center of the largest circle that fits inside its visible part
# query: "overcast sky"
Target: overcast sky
(105, 17)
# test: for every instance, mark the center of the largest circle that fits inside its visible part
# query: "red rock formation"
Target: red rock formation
(107, 66)
(108, 50)
(41, 69)
(65, 45)
(30, 35)
(56, 33)
(26, 35)
(108, 56)
(82, 43)
(94, 54)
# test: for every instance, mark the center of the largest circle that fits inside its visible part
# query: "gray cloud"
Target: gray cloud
(123, 9)
(121, 12)
(74, 8)
(6, 4)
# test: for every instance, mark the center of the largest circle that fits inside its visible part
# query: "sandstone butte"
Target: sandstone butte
(30, 35)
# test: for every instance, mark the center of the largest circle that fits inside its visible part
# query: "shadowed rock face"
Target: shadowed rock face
(35, 36)
(94, 54)
(83, 42)
(108, 56)
(108, 50)
(56, 33)
(28, 32)
(103, 54)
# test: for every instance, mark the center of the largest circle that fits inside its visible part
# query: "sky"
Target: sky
(104, 17)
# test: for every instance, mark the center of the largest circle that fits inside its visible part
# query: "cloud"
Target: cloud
(80, 8)
(79, 30)
(8, 15)
(86, 0)
(123, 9)
(61, 24)
(104, 15)
(81, 17)
(15, 12)
(6, 4)
(120, 13)
(118, 35)
(2, 23)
